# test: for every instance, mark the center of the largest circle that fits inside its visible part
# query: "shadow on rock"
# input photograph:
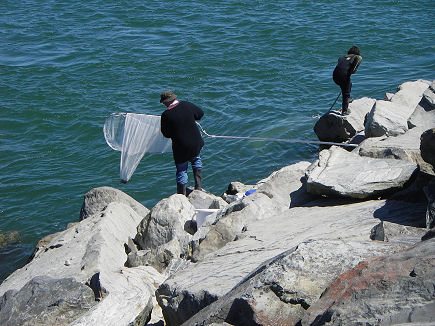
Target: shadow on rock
(404, 213)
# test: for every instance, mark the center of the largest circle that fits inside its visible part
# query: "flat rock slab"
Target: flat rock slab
(342, 173)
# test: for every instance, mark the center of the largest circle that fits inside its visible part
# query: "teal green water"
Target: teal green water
(256, 68)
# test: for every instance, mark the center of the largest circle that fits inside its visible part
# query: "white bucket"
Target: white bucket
(201, 215)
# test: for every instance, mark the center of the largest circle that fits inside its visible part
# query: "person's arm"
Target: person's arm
(164, 127)
(356, 60)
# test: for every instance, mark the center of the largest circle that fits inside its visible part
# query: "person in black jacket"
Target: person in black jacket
(346, 66)
(178, 122)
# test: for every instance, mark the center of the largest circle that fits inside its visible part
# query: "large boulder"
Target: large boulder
(387, 290)
(166, 222)
(387, 119)
(46, 301)
(97, 199)
(390, 118)
(334, 127)
(403, 147)
(424, 114)
(410, 93)
(92, 252)
(343, 173)
(204, 200)
(280, 290)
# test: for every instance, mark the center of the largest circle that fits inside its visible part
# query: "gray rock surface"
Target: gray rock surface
(204, 200)
(46, 301)
(274, 194)
(343, 173)
(97, 199)
(387, 290)
(197, 285)
(334, 127)
(424, 114)
(93, 252)
(165, 222)
(280, 290)
(390, 118)
(403, 147)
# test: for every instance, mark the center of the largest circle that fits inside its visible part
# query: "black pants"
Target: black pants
(346, 85)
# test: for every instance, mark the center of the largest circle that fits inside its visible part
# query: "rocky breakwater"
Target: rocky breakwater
(346, 239)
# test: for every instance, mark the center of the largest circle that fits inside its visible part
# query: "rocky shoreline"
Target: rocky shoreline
(347, 239)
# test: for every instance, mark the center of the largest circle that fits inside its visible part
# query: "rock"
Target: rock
(236, 187)
(166, 222)
(280, 290)
(8, 238)
(204, 200)
(390, 118)
(46, 301)
(194, 287)
(97, 199)
(387, 119)
(403, 147)
(159, 257)
(273, 195)
(93, 253)
(409, 94)
(387, 290)
(397, 233)
(424, 114)
(338, 172)
(334, 127)
(429, 191)
(427, 146)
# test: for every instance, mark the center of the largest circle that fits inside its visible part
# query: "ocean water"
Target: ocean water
(256, 68)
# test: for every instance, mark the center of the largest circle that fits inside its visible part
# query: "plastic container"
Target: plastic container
(201, 215)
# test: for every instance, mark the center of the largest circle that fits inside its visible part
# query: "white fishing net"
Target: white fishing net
(134, 135)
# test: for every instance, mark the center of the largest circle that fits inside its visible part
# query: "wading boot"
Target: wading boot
(197, 175)
(181, 189)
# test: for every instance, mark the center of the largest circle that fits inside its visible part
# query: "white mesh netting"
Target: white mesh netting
(134, 135)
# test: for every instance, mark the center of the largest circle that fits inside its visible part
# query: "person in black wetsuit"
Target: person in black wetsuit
(178, 122)
(346, 66)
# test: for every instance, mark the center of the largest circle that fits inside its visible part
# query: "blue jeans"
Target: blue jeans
(182, 169)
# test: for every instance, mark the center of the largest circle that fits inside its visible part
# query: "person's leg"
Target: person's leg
(345, 90)
(197, 171)
(181, 177)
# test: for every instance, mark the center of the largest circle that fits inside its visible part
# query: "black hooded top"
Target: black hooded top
(178, 123)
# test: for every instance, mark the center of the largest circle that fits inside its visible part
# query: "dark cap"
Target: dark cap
(167, 96)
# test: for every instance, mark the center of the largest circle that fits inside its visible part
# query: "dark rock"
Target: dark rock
(46, 301)
(9, 237)
(429, 191)
(427, 146)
